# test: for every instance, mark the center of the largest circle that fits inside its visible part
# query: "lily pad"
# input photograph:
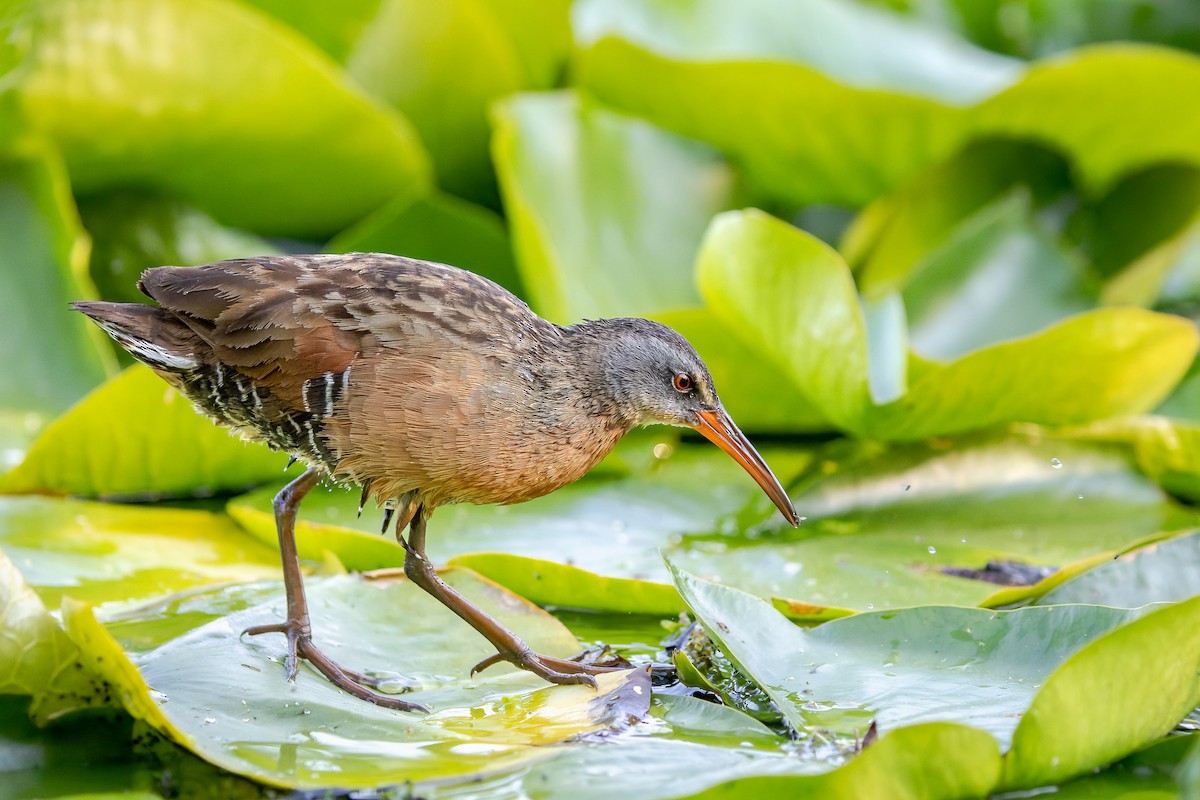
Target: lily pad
(798, 300)
(103, 553)
(1148, 115)
(875, 48)
(606, 211)
(470, 53)
(800, 135)
(136, 437)
(1034, 678)
(133, 231)
(157, 96)
(39, 659)
(1165, 571)
(225, 697)
(891, 526)
(50, 357)
(657, 768)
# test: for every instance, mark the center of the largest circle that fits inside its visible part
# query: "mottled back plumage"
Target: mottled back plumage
(401, 374)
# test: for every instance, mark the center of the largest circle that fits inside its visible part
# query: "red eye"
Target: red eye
(683, 382)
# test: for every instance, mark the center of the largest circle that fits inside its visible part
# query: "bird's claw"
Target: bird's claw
(562, 671)
(296, 631)
(300, 645)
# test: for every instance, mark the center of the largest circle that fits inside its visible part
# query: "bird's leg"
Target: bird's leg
(509, 646)
(298, 627)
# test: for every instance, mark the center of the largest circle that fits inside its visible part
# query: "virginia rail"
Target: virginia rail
(426, 384)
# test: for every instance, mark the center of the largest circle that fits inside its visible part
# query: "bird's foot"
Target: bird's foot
(300, 646)
(579, 668)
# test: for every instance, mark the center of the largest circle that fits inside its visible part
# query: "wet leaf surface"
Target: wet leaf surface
(226, 698)
(1033, 678)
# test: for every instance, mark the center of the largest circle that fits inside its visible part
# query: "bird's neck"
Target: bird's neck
(593, 357)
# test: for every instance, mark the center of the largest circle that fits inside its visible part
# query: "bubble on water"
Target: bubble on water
(870, 606)
(1057, 464)
(932, 549)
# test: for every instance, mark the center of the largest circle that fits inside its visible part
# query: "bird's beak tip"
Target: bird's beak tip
(717, 426)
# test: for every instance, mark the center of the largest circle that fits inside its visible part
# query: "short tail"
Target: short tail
(152, 335)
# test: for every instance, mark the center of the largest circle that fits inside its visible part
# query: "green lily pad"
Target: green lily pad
(905, 525)
(878, 50)
(133, 231)
(103, 553)
(1166, 449)
(1167, 274)
(799, 135)
(1164, 571)
(1002, 258)
(225, 697)
(159, 97)
(334, 27)
(1145, 775)
(1035, 678)
(895, 233)
(1148, 114)
(760, 395)
(606, 211)
(796, 297)
(1097, 707)
(658, 768)
(39, 659)
(551, 584)
(136, 437)
(50, 357)
(471, 52)
(605, 527)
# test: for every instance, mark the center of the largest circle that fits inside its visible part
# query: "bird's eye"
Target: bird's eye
(683, 382)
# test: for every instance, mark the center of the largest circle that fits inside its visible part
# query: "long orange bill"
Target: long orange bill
(719, 429)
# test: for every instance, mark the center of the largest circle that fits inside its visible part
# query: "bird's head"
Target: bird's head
(651, 374)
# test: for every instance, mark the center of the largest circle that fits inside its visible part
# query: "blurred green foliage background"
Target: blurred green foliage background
(945, 245)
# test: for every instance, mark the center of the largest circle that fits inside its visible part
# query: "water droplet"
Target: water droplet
(870, 606)
(1079, 497)
(932, 549)
(1054, 462)
(210, 720)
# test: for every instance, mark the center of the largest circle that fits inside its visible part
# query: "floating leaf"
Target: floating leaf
(133, 231)
(797, 298)
(606, 211)
(226, 698)
(1149, 112)
(38, 658)
(470, 52)
(799, 135)
(50, 357)
(1164, 571)
(1098, 707)
(1038, 677)
(104, 553)
(876, 49)
(157, 95)
(137, 437)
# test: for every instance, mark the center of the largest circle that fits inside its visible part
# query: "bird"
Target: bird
(425, 384)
